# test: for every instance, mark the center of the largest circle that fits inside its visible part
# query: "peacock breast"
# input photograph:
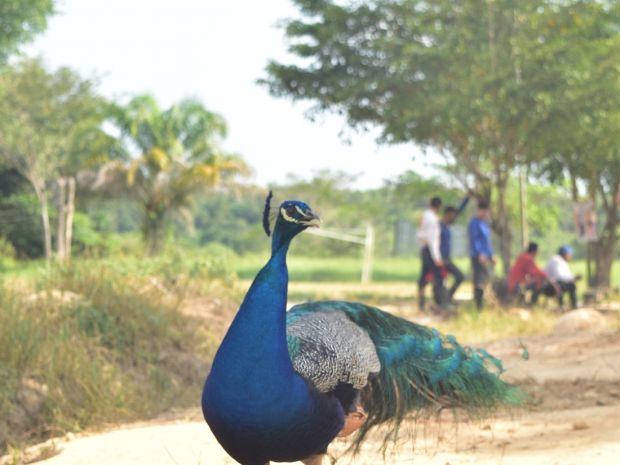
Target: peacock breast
(288, 422)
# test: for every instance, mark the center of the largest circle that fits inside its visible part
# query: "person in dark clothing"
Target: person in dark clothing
(430, 255)
(450, 215)
(480, 251)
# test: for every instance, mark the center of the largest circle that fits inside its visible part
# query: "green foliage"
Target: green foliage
(7, 253)
(580, 146)
(218, 215)
(20, 21)
(487, 84)
(51, 127)
(20, 222)
(173, 154)
(48, 120)
(105, 346)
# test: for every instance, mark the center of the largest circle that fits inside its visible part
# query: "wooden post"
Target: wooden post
(61, 227)
(523, 207)
(368, 241)
(70, 210)
(369, 245)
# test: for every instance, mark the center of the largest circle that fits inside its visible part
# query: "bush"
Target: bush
(97, 347)
(7, 253)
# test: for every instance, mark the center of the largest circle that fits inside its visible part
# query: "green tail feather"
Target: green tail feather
(422, 370)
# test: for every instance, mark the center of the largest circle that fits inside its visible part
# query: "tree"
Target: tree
(20, 222)
(461, 77)
(44, 120)
(173, 154)
(580, 137)
(20, 21)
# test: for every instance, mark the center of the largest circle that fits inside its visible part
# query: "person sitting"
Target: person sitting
(526, 276)
(561, 279)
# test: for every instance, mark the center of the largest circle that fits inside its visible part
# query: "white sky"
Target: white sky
(214, 50)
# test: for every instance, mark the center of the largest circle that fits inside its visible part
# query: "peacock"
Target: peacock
(283, 385)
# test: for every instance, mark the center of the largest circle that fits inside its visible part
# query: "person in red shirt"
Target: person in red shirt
(525, 275)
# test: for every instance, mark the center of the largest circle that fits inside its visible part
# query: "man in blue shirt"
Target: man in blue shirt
(480, 251)
(450, 215)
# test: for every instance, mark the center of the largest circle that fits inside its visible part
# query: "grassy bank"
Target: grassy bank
(91, 345)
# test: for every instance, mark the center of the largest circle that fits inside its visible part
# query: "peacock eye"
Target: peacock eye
(288, 214)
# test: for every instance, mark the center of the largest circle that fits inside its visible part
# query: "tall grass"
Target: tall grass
(106, 347)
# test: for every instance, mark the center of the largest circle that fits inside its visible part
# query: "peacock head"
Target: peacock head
(292, 217)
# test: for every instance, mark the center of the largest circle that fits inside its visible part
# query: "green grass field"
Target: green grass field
(344, 269)
(349, 269)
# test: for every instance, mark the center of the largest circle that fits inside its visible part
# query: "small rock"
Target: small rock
(590, 394)
(580, 425)
(609, 307)
(582, 320)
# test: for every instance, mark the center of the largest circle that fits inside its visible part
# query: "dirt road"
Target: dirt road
(576, 420)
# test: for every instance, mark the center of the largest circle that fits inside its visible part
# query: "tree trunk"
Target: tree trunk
(70, 212)
(153, 230)
(501, 227)
(606, 247)
(45, 219)
(61, 227)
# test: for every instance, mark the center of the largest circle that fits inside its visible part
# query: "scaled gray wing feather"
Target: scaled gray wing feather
(331, 349)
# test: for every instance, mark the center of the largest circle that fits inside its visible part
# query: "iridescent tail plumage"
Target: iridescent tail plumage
(423, 371)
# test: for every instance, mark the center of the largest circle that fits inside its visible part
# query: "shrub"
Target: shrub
(101, 347)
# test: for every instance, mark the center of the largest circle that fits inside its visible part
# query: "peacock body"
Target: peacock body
(283, 383)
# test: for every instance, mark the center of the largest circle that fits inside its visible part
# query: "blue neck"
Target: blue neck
(282, 236)
(256, 345)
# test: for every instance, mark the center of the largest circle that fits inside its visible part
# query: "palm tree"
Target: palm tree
(173, 154)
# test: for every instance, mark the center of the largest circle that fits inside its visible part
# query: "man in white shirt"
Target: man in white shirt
(430, 254)
(560, 274)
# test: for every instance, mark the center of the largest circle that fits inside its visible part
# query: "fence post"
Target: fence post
(369, 245)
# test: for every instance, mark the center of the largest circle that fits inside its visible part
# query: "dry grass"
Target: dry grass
(101, 346)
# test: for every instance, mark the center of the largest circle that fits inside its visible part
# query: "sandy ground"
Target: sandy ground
(575, 382)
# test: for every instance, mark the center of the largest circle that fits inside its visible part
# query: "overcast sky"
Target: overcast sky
(214, 50)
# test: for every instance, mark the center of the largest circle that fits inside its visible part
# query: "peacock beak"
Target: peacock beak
(311, 220)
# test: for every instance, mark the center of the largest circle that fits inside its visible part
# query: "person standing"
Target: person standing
(526, 276)
(450, 214)
(430, 254)
(480, 251)
(559, 273)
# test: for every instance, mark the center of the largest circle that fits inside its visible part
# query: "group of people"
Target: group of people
(556, 279)
(435, 240)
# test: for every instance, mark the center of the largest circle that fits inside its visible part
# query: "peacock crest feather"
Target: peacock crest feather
(267, 214)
